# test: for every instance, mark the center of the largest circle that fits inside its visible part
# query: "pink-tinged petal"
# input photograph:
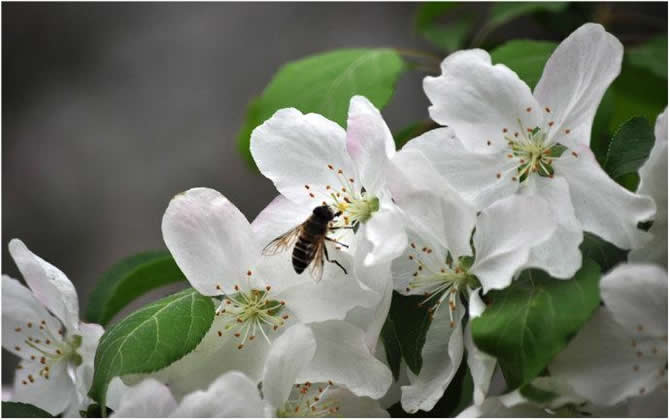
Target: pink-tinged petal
(297, 151)
(369, 143)
(434, 209)
(637, 297)
(480, 178)
(483, 103)
(442, 355)
(210, 239)
(574, 81)
(343, 357)
(602, 206)
(289, 355)
(505, 233)
(48, 283)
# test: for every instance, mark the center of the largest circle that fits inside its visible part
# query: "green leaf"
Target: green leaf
(536, 394)
(533, 319)
(504, 12)
(652, 56)
(446, 36)
(324, 84)
(602, 252)
(128, 279)
(392, 347)
(629, 147)
(411, 131)
(151, 338)
(527, 58)
(411, 324)
(637, 93)
(11, 409)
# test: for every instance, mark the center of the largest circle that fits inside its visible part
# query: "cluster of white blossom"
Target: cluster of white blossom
(508, 183)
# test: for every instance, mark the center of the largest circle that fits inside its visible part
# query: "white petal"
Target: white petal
(116, 393)
(294, 150)
(504, 235)
(277, 218)
(654, 183)
(653, 404)
(601, 205)
(210, 239)
(49, 284)
(231, 395)
(559, 255)
(290, 353)
(434, 209)
(386, 232)
(343, 357)
(22, 315)
(637, 296)
(575, 79)
(606, 364)
(352, 406)
(474, 174)
(371, 320)
(442, 354)
(369, 143)
(407, 264)
(52, 395)
(150, 399)
(479, 100)
(508, 405)
(392, 396)
(481, 364)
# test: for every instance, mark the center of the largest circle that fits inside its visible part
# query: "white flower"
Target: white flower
(312, 162)
(504, 234)
(41, 325)
(511, 140)
(220, 255)
(622, 352)
(654, 183)
(234, 394)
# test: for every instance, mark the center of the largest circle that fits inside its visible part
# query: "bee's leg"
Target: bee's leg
(325, 253)
(340, 227)
(339, 243)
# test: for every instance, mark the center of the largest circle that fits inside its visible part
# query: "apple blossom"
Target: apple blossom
(503, 139)
(41, 325)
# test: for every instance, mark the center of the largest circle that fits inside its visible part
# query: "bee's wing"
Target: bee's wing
(317, 262)
(283, 242)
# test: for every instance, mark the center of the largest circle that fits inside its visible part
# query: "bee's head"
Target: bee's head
(324, 213)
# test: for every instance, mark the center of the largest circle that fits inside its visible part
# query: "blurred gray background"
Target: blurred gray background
(109, 110)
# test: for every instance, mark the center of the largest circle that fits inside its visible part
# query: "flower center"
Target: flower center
(347, 196)
(533, 151)
(439, 283)
(309, 400)
(47, 348)
(251, 312)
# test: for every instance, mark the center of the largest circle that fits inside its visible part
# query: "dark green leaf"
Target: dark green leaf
(504, 12)
(652, 56)
(411, 324)
(428, 12)
(324, 84)
(529, 322)
(602, 252)
(129, 279)
(526, 58)
(11, 409)
(629, 147)
(411, 131)
(601, 134)
(151, 338)
(637, 93)
(392, 347)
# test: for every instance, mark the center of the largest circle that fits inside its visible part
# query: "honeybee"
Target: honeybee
(308, 240)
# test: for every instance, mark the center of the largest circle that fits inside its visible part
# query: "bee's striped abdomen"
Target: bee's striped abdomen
(303, 252)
